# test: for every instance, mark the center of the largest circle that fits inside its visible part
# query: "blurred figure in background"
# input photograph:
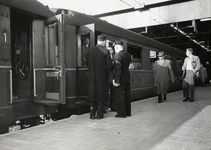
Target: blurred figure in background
(203, 75)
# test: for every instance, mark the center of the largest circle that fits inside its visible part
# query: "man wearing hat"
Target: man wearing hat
(121, 81)
(99, 67)
(162, 74)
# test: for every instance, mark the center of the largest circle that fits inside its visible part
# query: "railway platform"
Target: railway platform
(171, 125)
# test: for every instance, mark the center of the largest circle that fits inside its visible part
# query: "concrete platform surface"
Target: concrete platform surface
(172, 125)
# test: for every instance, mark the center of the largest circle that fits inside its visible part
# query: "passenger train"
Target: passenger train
(42, 71)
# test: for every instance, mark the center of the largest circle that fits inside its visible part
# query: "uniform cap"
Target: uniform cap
(101, 37)
(118, 42)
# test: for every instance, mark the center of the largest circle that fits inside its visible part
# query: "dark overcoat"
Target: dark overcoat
(99, 68)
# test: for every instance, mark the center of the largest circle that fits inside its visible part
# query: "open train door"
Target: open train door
(49, 61)
(86, 40)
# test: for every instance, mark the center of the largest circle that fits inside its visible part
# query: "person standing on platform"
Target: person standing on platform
(111, 99)
(162, 74)
(203, 74)
(99, 67)
(190, 69)
(121, 81)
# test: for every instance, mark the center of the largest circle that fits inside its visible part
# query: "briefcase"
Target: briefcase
(156, 87)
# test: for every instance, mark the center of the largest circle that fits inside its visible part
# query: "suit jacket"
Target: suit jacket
(121, 67)
(195, 61)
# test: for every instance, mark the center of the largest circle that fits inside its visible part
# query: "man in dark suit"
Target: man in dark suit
(121, 81)
(99, 67)
(190, 69)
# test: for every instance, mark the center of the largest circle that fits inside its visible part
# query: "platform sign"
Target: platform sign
(152, 54)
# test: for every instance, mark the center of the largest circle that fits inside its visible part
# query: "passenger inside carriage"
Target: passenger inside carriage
(85, 42)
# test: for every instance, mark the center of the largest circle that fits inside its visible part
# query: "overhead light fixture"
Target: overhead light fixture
(190, 38)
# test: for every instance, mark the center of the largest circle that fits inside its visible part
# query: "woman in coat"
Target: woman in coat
(162, 74)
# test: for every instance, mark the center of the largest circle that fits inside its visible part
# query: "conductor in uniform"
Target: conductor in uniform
(121, 81)
(99, 68)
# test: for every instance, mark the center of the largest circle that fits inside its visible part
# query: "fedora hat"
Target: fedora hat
(161, 54)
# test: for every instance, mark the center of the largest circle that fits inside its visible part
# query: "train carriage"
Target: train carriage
(42, 70)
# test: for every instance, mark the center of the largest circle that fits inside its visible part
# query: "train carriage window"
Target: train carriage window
(178, 64)
(153, 58)
(52, 44)
(136, 55)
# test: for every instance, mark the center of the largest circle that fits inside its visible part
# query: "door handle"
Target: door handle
(58, 69)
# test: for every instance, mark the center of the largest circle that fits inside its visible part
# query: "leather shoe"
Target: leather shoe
(92, 117)
(186, 99)
(191, 100)
(117, 116)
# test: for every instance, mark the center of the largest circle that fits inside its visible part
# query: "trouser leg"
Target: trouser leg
(93, 106)
(128, 99)
(100, 109)
(164, 97)
(112, 100)
(191, 89)
(159, 98)
(120, 100)
(185, 87)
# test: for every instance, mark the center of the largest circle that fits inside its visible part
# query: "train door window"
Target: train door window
(136, 56)
(85, 40)
(52, 44)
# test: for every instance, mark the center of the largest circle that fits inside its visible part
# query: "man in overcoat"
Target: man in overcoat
(190, 69)
(121, 81)
(162, 75)
(99, 67)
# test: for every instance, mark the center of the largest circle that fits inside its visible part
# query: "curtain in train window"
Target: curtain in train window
(52, 44)
(136, 56)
